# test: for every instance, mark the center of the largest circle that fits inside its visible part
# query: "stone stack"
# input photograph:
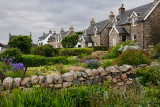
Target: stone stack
(117, 76)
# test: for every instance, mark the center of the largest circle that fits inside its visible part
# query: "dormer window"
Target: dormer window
(95, 31)
(134, 21)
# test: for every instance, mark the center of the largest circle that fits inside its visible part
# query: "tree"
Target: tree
(23, 43)
(154, 31)
(70, 41)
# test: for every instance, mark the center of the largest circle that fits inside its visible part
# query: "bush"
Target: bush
(75, 51)
(106, 63)
(114, 52)
(46, 50)
(14, 53)
(132, 57)
(59, 59)
(99, 48)
(156, 51)
(98, 54)
(33, 60)
(92, 64)
(149, 75)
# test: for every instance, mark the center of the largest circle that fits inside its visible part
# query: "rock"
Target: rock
(8, 83)
(117, 76)
(125, 68)
(114, 69)
(25, 81)
(89, 72)
(120, 84)
(129, 82)
(95, 72)
(108, 70)
(49, 79)
(130, 79)
(17, 82)
(81, 79)
(123, 76)
(67, 84)
(35, 80)
(75, 75)
(91, 78)
(88, 82)
(76, 83)
(109, 78)
(114, 80)
(51, 85)
(119, 80)
(57, 86)
(42, 79)
(0, 82)
(95, 81)
(97, 76)
(68, 77)
(78, 74)
(102, 71)
(143, 66)
(29, 85)
(84, 75)
(58, 79)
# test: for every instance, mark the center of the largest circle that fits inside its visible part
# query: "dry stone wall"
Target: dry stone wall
(118, 77)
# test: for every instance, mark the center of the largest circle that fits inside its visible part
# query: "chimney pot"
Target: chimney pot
(156, 1)
(92, 21)
(121, 9)
(111, 16)
(30, 34)
(71, 28)
(50, 31)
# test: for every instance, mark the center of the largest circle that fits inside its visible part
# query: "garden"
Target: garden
(49, 62)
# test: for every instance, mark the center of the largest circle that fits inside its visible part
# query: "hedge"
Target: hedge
(99, 48)
(75, 51)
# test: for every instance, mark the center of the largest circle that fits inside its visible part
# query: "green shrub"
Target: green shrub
(115, 52)
(14, 53)
(60, 59)
(33, 60)
(132, 57)
(106, 63)
(149, 75)
(156, 51)
(46, 50)
(75, 51)
(129, 42)
(92, 64)
(99, 48)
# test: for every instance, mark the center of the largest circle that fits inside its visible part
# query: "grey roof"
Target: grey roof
(43, 37)
(88, 39)
(1, 45)
(64, 33)
(142, 12)
(100, 26)
(122, 30)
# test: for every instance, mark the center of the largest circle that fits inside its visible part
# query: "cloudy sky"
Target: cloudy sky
(20, 17)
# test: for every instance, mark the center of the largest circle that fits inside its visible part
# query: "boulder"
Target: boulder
(81, 79)
(68, 77)
(67, 84)
(51, 85)
(0, 82)
(75, 75)
(120, 84)
(57, 86)
(114, 80)
(49, 79)
(25, 81)
(76, 83)
(91, 78)
(78, 74)
(108, 70)
(35, 80)
(113, 69)
(123, 76)
(8, 83)
(89, 72)
(125, 68)
(58, 79)
(17, 82)
(95, 72)
(129, 82)
(42, 79)
(102, 71)
(109, 78)
(84, 75)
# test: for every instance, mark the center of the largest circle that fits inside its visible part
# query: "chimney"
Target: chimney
(50, 31)
(30, 35)
(61, 31)
(43, 33)
(111, 16)
(71, 28)
(92, 21)
(54, 33)
(9, 36)
(156, 1)
(121, 9)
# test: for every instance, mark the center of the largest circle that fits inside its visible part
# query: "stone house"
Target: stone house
(133, 24)
(130, 24)
(55, 39)
(12, 36)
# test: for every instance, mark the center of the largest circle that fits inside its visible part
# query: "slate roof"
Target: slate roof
(12, 36)
(142, 12)
(122, 30)
(43, 37)
(100, 26)
(1, 45)
(88, 39)
(64, 33)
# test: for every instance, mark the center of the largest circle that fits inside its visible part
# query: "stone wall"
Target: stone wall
(118, 77)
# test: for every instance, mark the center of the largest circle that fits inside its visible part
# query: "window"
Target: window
(134, 38)
(95, 31)
(114, 42)
(95, 44)
(134, 21)
(89, 44)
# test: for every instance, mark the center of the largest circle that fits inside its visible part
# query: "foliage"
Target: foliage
(156, 51)
(106, 63)
(98, 54)
(13, 53)
(99, 48)
(60, 68)
(149, 75)
(75, 51)
(114, 52)
(46, 50)
(79, 33)
(93, 63)
(70, 41)
(60, 59)
(84, 59)
(129, 42)
(24, 43)
(132, 57)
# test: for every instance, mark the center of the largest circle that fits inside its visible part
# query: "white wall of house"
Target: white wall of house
(0, 49)
(79, 43)
(45, 40)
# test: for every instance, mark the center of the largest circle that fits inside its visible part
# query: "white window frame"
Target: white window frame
(114, 41)
(134, 22)
(134, 38)
(89, 44)
(95, 44)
